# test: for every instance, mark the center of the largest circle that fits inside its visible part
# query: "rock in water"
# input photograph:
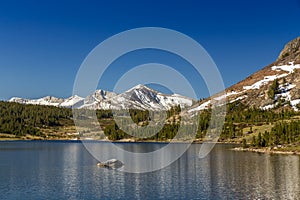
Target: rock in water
(112, 164)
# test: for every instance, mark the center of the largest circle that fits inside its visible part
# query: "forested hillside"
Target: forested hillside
(251, 126)
(20, 120)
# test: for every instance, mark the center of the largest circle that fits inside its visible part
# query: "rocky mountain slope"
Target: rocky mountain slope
(275, 86)
(138, 97)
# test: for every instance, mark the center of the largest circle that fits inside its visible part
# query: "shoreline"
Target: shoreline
(197, 141)
(264, 150)
(267, 150)
(96, 140)
(11, 139)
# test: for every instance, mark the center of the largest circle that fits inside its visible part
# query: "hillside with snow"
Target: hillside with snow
(256, 90)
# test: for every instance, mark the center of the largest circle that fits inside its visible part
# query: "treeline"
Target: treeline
(240, 113)
(19, 119)
(142, 118)
(168, 131)
(239, 117)
(282, 133)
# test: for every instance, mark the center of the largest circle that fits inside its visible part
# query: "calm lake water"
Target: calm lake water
(65, 170)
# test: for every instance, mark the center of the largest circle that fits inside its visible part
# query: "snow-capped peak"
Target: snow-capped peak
(140, 87)
(139, 97)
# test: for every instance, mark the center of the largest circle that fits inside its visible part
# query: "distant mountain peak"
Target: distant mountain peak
(141, 87)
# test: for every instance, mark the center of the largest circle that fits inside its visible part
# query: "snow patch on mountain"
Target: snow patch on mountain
(267, 107)
(283, 94)
(226, 95)
(289, 68)
(175, 99)
(284, 91)
(265, 81)
(239, 98)
(202, 106)
(294, 104)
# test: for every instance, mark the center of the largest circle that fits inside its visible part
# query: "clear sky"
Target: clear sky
(43, 43)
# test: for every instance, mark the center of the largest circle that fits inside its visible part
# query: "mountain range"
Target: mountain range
(256, 90)
(139, 97)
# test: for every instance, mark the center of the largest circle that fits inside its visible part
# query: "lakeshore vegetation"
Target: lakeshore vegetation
(249, 126)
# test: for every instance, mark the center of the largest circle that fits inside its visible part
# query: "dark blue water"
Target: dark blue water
(65, 170)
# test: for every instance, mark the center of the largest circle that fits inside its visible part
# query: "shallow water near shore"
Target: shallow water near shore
(65, 170)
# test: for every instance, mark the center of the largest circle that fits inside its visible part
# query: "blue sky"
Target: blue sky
(43, 43)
